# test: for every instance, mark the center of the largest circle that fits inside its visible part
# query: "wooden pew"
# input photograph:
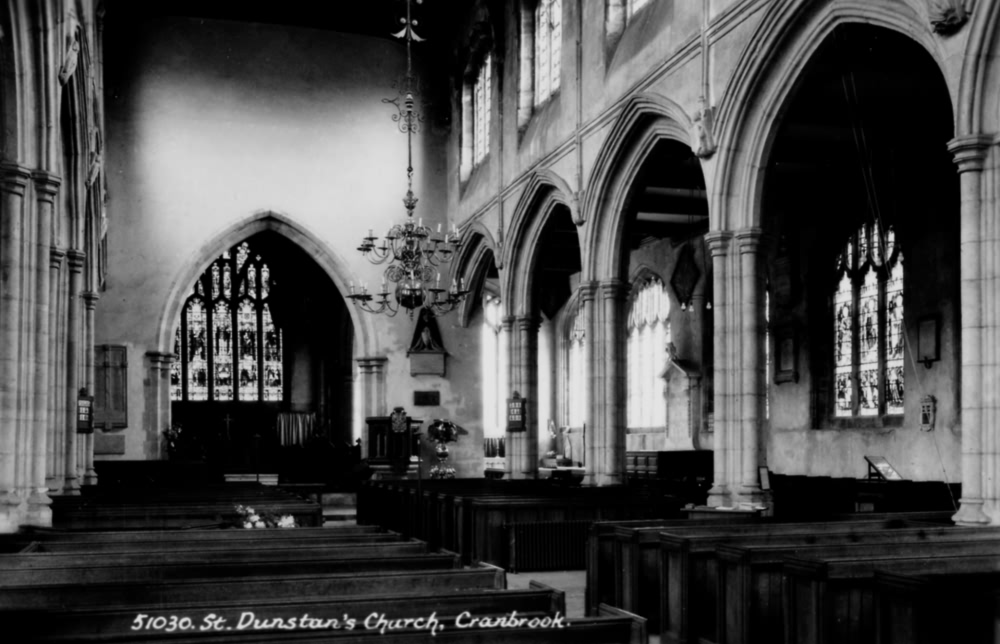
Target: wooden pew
(290, 551)
(699, 585)
(102, 624)
(280, 539)
(603, 580)
(751, 578)
(828, 598)
(909, 608)
(250, 588)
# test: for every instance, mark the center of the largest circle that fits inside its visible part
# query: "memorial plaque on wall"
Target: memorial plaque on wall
(516, 412)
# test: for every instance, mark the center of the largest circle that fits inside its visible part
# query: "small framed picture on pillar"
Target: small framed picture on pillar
(786, 355)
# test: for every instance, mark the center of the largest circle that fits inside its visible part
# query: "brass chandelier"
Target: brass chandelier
(414, 252)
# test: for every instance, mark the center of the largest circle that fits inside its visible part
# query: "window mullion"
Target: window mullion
(184, 353)
(882, 341)
(856, 282)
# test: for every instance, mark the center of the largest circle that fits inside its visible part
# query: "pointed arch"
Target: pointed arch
(366, 340)
(646, 120)
(472, 265)
(785, 40)
(544, 191)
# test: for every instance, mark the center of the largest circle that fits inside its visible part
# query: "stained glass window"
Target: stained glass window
(548, 48)
(482, 100)
(228, 347)
(868, 326)
(577, 400)
(648, 337)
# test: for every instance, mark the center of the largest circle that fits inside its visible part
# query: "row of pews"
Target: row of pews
(215, 584)
(474, 517)
(877, 578)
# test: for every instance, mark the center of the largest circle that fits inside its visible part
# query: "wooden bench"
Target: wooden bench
(194, 540)
(752, 578)
(213, 591)
(829, 598)
(697, 582)
(603, 578)
(909, 608)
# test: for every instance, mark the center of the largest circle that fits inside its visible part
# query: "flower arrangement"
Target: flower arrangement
(443, 431)
(250, 518)
(172, 435)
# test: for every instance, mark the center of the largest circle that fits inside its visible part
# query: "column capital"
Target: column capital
(46, 185)
(56, 256)
(76, 258)
(969, 151)
(160, 359)
(588, 290)
(749, 239)
(718, 242)
(14, 178)
(614, 289)
(372, 364)
(90, 300)
(527, 322)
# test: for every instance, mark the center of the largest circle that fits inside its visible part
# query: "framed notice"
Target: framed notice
(516, 413)
(879, 468)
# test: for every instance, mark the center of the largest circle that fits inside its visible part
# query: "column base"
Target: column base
(90, 477)
(11, 513)
(970, 513)
(71, 487)
(39, 513)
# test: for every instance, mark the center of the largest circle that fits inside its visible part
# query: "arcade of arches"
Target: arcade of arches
(764, 229)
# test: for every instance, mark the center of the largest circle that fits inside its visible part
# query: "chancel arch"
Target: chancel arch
(288, 373)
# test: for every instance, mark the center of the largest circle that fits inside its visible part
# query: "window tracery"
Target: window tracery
(548, 48)
(227, 338)
(868, 326)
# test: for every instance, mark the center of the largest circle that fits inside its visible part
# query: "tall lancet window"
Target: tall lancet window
(548, 48)
(648, 336)
(868, 325)
(577, 398)
(227, 346)
(481, 106)
(494, 365)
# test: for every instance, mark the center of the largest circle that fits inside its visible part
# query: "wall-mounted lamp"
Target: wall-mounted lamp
(929, 340)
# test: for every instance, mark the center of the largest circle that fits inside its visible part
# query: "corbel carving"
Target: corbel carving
(704, 124)
(948, 16)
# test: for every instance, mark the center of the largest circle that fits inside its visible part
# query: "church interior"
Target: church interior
(695, 296)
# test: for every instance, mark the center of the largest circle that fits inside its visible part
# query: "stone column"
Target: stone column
(526, 372)
(372, 392)
(158, 410)
(39, 502)
(970, 154)
(55, 471)
(588, 293)
(13, 183)
(90, 302)
(752, 370)
(718, 246)
(76, 258)
(512, 440)
(613, 294)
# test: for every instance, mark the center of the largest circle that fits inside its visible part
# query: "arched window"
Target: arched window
(577, 391)
(648, 336)
(482, 97)
(548, 48)
(868, 325)
(494, 365)
(227, 347)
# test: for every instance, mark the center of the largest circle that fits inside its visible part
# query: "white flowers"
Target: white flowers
(252, 519)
